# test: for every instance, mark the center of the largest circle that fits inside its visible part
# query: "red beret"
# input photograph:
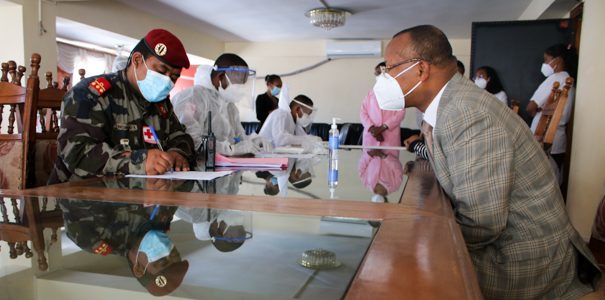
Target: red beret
(167, 48)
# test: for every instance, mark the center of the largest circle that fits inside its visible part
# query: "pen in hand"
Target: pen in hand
(157, 140)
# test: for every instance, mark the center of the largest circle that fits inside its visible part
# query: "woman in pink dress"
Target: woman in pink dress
(380, 127)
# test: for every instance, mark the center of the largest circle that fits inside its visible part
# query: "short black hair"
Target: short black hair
(382, 64)
(140, 47)
(494, 85)
(461, 67)
(430, 44)
(227, 60)
(302, 99)
(271, 78)
(569, 56)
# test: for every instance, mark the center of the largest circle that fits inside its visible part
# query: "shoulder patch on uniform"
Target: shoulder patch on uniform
(103, 249)
(99, 86)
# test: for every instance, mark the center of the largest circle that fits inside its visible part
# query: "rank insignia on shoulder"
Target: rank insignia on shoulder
(99, 86)
(162, 110)
(103, 249)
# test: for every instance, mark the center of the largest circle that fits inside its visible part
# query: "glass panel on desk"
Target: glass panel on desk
(231, 254)
(377, 177)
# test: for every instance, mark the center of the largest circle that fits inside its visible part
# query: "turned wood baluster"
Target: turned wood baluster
(12, 251)
(11, 118)
(4, 77)
(54, 121)
(49, 79)
(20, 73)
(66, 80)
(42, 119)
(12, 71)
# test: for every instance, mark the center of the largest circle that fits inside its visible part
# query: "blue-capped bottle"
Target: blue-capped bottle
(333, 144)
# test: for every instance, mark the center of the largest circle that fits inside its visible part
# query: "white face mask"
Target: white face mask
(481, 82)
(304, 120)
(233, 93)
(547, 70)
(388, 91)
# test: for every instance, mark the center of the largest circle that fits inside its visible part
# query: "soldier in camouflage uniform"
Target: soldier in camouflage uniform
(105, 228)
(107, 120)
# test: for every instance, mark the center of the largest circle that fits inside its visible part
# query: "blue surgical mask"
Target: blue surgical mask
(156, 245)
(275, 91)
(274, 180)
(155, 87)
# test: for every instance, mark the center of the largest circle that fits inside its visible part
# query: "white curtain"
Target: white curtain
(70, 59)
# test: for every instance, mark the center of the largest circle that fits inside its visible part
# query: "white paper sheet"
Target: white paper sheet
(288, 155)
(186, 175)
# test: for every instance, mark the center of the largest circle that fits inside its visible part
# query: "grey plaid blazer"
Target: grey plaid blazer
(506, 199)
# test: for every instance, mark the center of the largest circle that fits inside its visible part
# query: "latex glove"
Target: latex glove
(262, 143)
(312, 144)
(245, 147)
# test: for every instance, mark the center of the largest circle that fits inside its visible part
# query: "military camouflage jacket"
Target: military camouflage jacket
(105, 129)
(110, 228)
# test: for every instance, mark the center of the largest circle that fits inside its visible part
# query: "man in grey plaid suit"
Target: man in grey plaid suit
(502, 188)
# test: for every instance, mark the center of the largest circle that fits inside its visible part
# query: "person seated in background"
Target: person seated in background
(560, 62)
(267, 102)
(106, 120)
(381, 127)
(460, 67)
(487, 78)
(286, 127)
(217, 89)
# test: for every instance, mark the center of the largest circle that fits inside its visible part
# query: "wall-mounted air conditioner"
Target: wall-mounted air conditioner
(348, 48)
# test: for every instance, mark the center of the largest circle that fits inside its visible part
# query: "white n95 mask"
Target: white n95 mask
(388, 91)
(481, 82)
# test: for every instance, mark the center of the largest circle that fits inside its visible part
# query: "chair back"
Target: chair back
(12, 106)
(552, 112)
(47, 130)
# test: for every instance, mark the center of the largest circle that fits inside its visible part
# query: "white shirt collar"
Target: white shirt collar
(430, 115)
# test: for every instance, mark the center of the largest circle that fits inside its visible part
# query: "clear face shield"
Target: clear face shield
(241, 79)
(310, 111)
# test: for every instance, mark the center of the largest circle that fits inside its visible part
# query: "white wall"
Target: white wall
(11, 14)
(587, 172)
(337, 87)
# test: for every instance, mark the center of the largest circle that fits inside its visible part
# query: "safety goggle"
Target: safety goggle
(237, 75)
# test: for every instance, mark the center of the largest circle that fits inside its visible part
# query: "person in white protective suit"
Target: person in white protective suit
(226, 229)
(217, 88)
(285, 125)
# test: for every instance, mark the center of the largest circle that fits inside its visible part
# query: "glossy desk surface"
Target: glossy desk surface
(409, 247)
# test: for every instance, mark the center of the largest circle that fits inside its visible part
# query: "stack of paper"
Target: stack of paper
(185, 175)
(252, 163)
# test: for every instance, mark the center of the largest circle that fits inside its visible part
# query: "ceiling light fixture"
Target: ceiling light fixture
(327, 17)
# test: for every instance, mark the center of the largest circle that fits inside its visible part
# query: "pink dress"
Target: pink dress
(372, 115)
(387, 171)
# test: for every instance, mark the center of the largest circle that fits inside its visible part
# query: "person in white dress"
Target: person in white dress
(560, 62)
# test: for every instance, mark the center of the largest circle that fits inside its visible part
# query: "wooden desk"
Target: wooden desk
(418, 252)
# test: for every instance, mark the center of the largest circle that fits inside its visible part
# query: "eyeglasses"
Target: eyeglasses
(389, 68)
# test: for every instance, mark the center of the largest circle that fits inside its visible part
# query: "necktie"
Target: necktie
(427, 132)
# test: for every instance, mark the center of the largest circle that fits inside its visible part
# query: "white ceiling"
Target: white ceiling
(275, 20)
(270, 20)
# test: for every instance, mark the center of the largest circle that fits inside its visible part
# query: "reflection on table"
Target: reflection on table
(376, 244)
(224, 253)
